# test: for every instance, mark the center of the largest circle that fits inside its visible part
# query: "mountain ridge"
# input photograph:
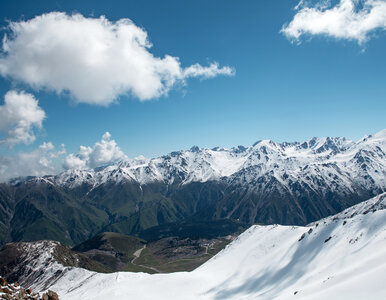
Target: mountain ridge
(268, 183)
(203, 164)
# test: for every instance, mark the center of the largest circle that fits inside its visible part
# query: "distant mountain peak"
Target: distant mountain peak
(351, 161)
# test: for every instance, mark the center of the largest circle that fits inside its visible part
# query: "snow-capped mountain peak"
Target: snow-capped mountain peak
(320, 158)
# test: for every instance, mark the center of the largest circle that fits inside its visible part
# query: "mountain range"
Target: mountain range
(266, 183)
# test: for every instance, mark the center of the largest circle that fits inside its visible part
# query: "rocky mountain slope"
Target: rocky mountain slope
(339, 257)
(39, 264)
(285, 183)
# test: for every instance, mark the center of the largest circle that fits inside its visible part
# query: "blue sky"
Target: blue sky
(284, 89)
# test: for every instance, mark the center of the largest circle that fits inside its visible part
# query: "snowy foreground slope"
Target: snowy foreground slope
(340, 257)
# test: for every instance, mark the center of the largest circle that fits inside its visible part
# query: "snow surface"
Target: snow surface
(339, 257)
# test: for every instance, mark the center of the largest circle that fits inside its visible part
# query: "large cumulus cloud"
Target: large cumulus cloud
(93, 59)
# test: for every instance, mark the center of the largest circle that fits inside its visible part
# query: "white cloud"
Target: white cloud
(19, 115)
(213, 70)
(104, 152)
(349, 19)
(36, 163)
(94, 59)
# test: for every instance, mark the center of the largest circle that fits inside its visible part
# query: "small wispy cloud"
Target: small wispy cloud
(349, 19)
(93, 59)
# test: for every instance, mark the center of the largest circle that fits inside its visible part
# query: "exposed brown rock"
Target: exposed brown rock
(45, 297)
(7, 290)
(52, 295)
(3, 282)
(23, 293)
(16, 292)
(7, 297)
